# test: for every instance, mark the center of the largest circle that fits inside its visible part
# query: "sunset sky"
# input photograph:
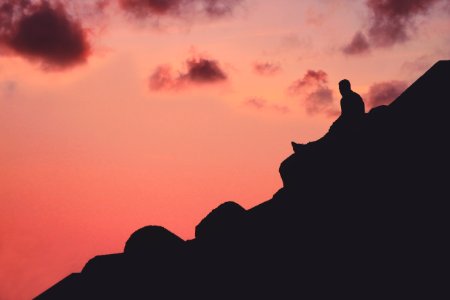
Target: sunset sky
(116, 114)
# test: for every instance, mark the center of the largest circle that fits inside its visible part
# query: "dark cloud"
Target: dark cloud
(266, 68)
(358, 45)
(40, 31)
(261, 104)
(384, 93)
(152, 8)
(390, 22)
(313, 89)
(198, 71)
(203, 70)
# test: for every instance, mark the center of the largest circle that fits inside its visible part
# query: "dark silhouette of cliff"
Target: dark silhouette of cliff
(360, 217)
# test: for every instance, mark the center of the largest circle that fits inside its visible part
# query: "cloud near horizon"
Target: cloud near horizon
(198, 71)
(313, 89)
(391, 22)
(43, 32)
(383, 93)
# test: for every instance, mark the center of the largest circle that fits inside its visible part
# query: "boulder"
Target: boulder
(153, 240)
(223, 223)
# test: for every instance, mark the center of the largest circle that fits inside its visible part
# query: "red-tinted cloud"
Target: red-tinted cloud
(149, 8)
(142, 8)
(198, 71)
(384, 93)
(419, 65)
(358, 45)
(162, 79)
(266, 68)
(313, 89)
(312, 79)
(319, 100)
(257, 103)
(263, 105)
(42, 32)
(219, 8)
(391, 22)
(203, 70)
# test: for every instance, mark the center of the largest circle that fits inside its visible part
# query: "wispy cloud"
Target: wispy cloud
(384, 93)
(263, 105)
(266, 68)
(313, 91)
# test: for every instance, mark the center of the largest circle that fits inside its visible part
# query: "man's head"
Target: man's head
(344, 87)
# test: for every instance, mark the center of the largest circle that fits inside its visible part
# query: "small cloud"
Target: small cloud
(280, 108)
(257, 103)
(44, 33)
(319, 100)
(198, 71)
(219, 8)
(179, 8)
(313, 91)
(311, 80)
(261, 104)
(392, 20)
(144, 8)
(8, 88)
(162, 79)
(266, 68)
(358, 45)
(419, 65)
(384, 93)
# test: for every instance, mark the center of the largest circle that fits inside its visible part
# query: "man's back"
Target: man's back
(352, 106)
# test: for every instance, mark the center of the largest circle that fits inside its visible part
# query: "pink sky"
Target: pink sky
(90, 152)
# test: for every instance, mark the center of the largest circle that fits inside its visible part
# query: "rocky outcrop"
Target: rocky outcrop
(222, 224)
(153, 240)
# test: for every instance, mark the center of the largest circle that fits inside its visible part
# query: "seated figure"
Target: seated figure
(352, 114)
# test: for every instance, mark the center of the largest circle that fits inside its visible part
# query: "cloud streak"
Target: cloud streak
(43, 32)
(197, 71)
(261, 104)
(383, 93)
(266, 68)
(179, 8)
(358, 45)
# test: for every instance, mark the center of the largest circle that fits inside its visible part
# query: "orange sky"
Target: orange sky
(89, 153)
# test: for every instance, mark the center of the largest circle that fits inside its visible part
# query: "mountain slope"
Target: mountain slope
(361, 215)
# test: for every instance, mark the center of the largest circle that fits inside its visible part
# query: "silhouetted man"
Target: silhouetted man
(352, 114)
(352, 105)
